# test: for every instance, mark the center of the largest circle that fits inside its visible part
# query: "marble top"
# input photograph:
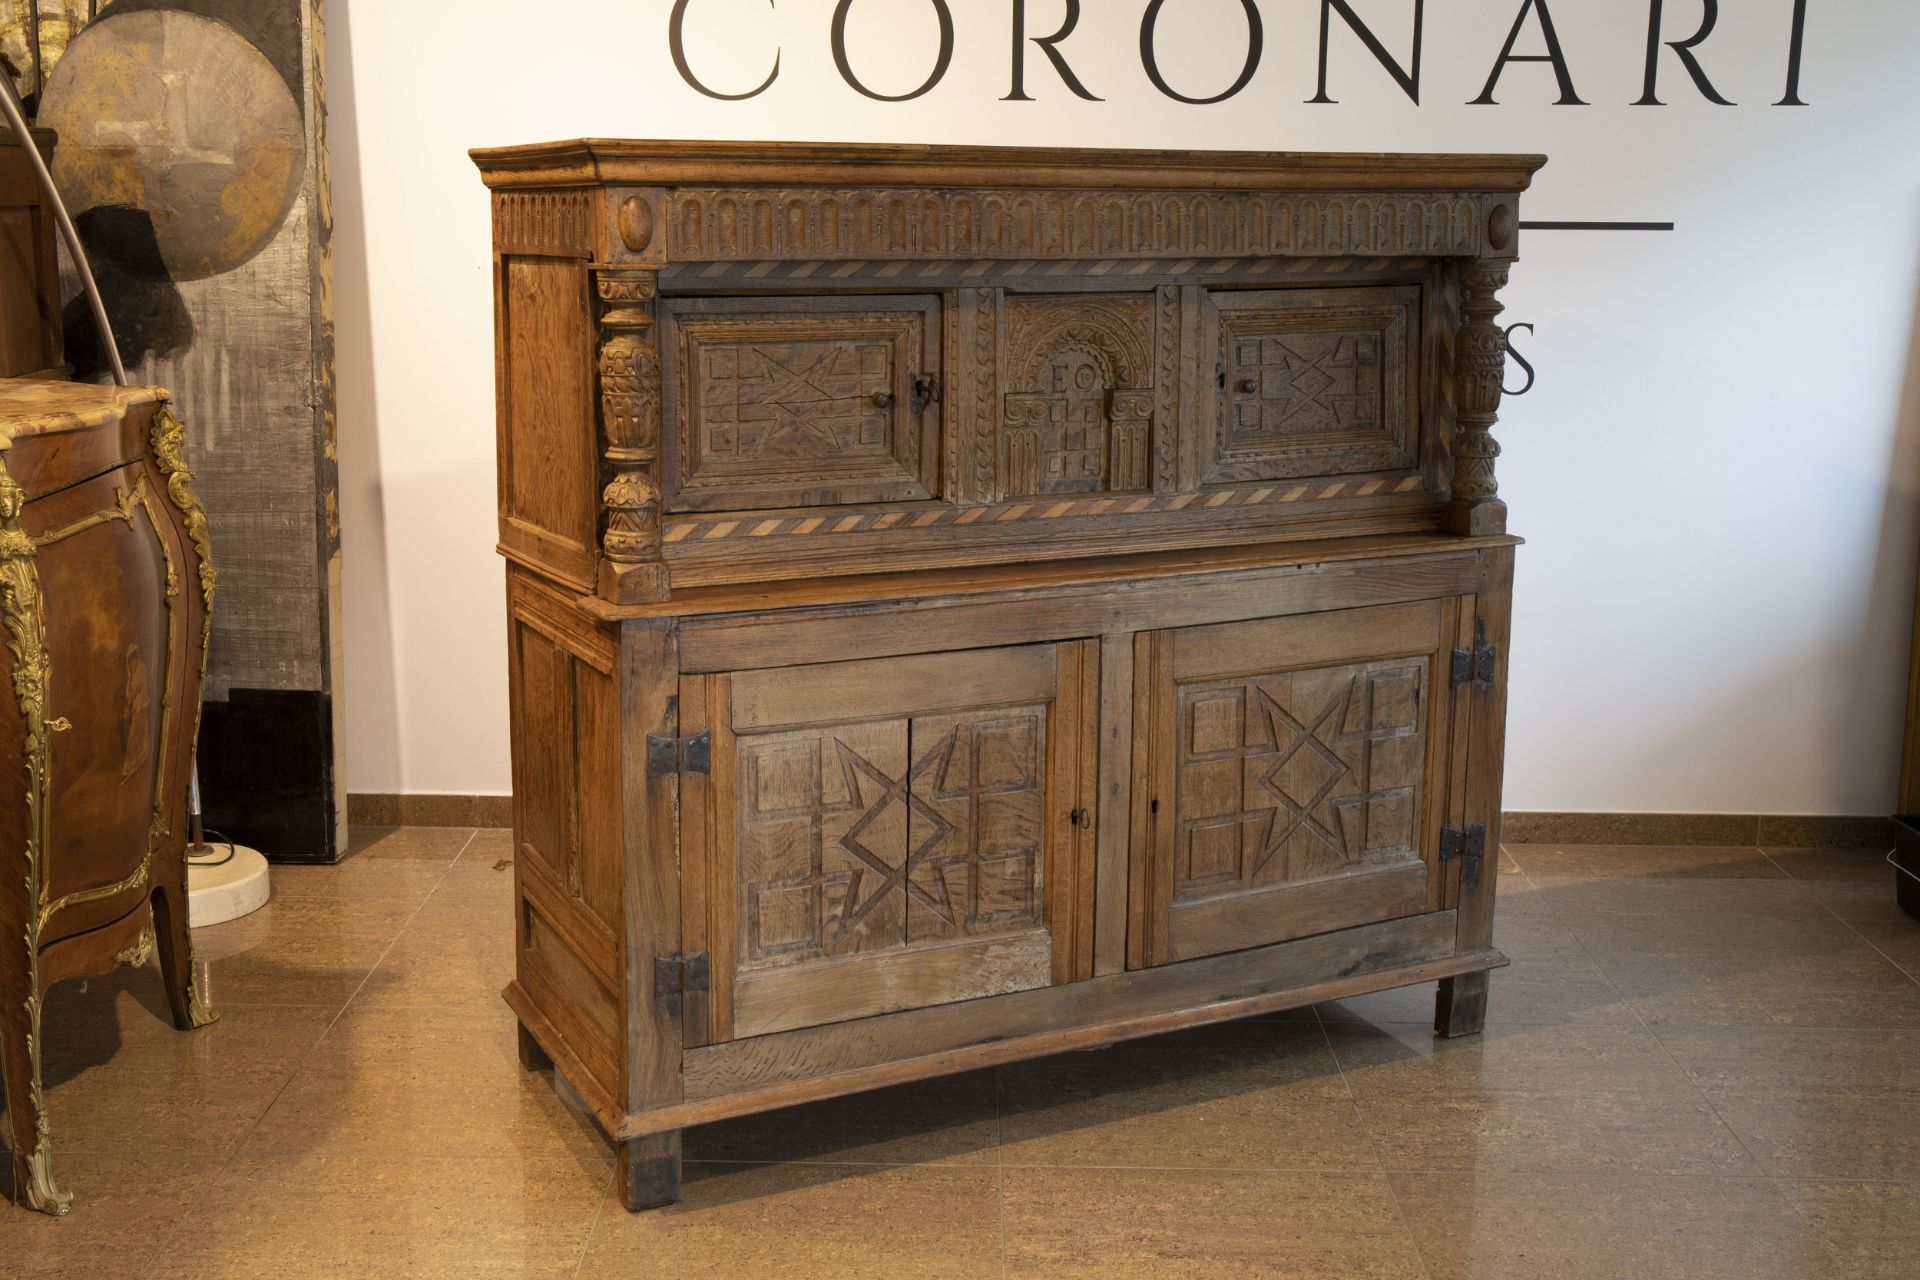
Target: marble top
(38, 406)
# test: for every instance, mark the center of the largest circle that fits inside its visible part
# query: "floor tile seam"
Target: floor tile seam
(1000, 1199)
(1605, 1174)
(1853, 928)
(1630, 1001)
(411, 1154)
(307, 1058)
(1399, 1209)
(1700, 1091)
(1593, 960)
(1685, 1075)
(1353, 1101)
(607, 1191)
(283, 1156)
(1042, 1166)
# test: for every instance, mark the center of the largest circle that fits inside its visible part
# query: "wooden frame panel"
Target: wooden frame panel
(1319, 738)
(548, 454)
(768, 1072)
(783, 710)
(797, 401)
(1052, 609)
(1313, 383)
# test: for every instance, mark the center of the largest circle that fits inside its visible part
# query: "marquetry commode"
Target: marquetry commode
(967, 604)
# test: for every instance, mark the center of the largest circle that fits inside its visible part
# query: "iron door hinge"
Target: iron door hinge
(1476, 665)
(673, 976)
(1468, 847)
(679, 755)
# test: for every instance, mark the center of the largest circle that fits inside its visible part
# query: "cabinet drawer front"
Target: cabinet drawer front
(1313, 382)
(888, 834)
(801, 401)
(1298, 772)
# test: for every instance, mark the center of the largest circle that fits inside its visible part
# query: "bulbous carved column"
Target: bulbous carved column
(631, 570)
(1480, 365)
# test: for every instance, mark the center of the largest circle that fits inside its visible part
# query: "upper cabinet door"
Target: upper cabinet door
(1313, 382)
(781, 402)
(1297, 775)
(887, 834)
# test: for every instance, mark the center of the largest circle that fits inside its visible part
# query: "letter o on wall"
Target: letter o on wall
(939, 67)
(1255, 40)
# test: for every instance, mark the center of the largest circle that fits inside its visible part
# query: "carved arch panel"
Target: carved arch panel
(1080, 412)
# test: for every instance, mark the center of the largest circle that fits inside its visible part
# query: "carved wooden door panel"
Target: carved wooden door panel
(1086, 378)
(1313, 382)
(888, 834)
(1299, 773)
(778, 402)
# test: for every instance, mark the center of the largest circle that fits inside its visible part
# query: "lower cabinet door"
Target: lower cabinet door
(1297, 775)
(888, 834)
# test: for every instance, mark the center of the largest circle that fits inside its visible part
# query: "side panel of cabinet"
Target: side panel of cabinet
(1298, 772)
(549, 463)
(888, 834)
(566, 819)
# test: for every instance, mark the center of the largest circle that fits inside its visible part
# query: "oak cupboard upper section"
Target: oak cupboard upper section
(730, 362)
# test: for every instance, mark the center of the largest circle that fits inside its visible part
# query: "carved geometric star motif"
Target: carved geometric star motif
(1306, 383)
(1293, 738)
(806, 408)
(891, 790)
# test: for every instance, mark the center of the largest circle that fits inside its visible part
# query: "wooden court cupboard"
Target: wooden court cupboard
(967, 604)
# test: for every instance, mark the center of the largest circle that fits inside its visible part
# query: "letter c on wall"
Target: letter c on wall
(676, 42)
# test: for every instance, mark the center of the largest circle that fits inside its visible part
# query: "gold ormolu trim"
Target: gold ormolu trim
(25, 625)
(139, 951)
(169, 451)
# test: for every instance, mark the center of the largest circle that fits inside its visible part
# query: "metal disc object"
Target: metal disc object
(178, 115)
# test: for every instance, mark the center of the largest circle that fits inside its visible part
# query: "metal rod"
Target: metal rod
(16, 115)
(33, 45)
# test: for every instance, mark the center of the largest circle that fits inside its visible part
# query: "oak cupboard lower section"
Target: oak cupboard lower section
(774, 847)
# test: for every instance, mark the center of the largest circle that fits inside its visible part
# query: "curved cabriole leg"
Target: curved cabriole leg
(168, 437)
(175, 946)
(27, 1109)
(650, 1171)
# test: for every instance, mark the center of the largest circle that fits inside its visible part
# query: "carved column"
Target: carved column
(631, 571)
(1480, 364)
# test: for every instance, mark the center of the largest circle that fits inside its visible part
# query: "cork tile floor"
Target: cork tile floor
(1703, 1063)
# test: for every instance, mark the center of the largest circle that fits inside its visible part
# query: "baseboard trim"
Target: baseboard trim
(1748, 830)
(429, 811)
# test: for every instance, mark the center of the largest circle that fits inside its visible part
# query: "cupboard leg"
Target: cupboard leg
(650, 1171)
(1461, 1008)
(26, 1107)
(172, 940)
(532, 1056)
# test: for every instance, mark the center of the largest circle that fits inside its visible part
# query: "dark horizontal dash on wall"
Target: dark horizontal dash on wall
(1596, 226)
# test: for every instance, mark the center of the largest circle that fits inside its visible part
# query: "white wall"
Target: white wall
(1718, 471)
